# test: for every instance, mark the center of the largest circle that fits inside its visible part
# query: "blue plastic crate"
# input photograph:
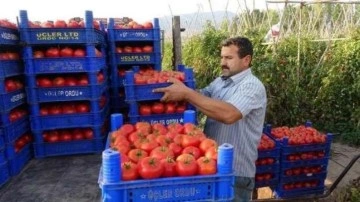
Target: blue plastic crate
(144, 92)
(33, 36)
(2, 142)
(137, 58)
(165, 119)
(275, 168)
(302, 178)
(275, 152)
(10, 148)
(133, 34)
(14, 130)
(288, 149)
(9, 36)
(64, 65)
(97, 129)
(10, 68)
(12, 99)
(66, 93)
(69, 121)
(42, 150)
(197, 188)
(3, 158)
(273, 182)
(17, 163)
(319, 190)
(4, 173)
(301, 163)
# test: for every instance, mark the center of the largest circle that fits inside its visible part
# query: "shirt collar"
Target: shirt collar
(238, 77)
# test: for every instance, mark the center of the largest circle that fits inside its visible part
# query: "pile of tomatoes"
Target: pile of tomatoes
(299, 135)
(155, 151)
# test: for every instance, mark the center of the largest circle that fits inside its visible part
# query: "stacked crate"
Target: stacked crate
(145, 105)
(67, 92)
(130, 46)
(15, 140)
(303, 163)
(268, 163)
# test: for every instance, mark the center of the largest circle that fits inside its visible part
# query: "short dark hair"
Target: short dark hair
(243, 43)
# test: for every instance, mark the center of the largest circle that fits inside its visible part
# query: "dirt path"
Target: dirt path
(341, 155)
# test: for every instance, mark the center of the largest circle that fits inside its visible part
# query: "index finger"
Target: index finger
(159, 90)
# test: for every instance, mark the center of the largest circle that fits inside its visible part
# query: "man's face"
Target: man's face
(231, 64)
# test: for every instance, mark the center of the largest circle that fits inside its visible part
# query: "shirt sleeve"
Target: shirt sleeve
(249, 96)
(208, 90)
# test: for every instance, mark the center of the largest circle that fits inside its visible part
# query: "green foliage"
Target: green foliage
(202, 52)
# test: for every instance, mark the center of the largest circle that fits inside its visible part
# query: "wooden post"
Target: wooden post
(176, 32)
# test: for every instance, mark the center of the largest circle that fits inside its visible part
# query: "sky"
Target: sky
(139, 10)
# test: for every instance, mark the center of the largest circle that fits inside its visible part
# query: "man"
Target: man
(235, 105)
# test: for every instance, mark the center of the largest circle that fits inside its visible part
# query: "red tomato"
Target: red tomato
(82, 108)
(66, 52)
(158, 108)
(100, 77)
(127, 129)
(212, 153)
(38, 54)
(68, 109)
(175, 127)
(10, 85)
(135, 155)
(147, 49)
(177, 149)
(77, 135)
(137, 49)
(60, 24)
(59, 81)
(55, 110)
(206, 144)
(190, 140)
(194, 151)
(148, 145)
(52, 52)
(159, 129)
(180, 108)
(65, 135)
(147, 25)
(43, 82)
(73, 24)
(83, 81)
(206, 166)
(169, 167)
(186, 165)
(162, 140)
(150, 168)
(170, 108)
(162, 152)
(88, 133)
(128, 171)
(144, 127)
(128, 49)
(145, 110)
(79, 53)
(189, 128)
(53, 136)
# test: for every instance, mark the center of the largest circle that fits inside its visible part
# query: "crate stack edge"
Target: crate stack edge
(68, 96)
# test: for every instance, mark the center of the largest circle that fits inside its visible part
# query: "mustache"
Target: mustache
(224, 67)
